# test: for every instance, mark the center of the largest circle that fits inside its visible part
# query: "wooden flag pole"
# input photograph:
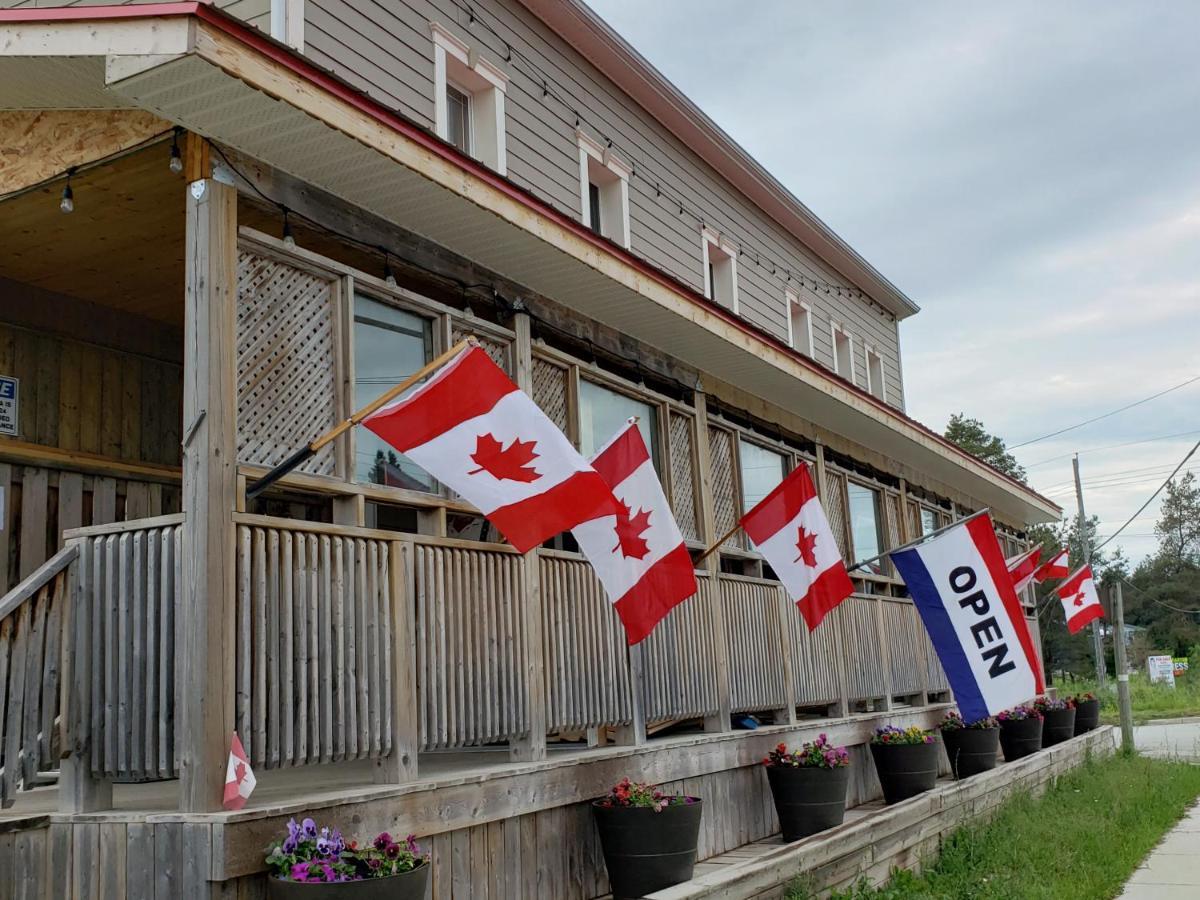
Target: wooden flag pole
(307, 451)
(713, 549)
(922, 539)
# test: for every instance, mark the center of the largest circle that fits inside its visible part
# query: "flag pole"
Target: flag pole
(307, 451)
(922, 539)
(713, 549)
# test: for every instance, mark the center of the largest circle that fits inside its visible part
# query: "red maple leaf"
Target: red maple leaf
(630, 529)
(1078, 599)
(806, 543)
(239, 772)
(505, 463)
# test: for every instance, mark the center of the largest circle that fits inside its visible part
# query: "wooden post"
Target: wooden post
(787, 653)
(206, 611)
(634, 734)
(533, 746)
(720, 652)
(401, 765)
(840, 661)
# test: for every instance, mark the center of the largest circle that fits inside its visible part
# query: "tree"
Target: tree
(1178, 526)
(970, 435)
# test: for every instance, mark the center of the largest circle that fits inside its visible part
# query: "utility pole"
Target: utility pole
(1086, 546)
(1122, 670)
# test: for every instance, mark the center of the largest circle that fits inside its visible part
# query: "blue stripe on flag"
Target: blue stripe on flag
(925, 594)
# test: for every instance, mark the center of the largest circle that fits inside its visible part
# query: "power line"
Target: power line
(1044, 437)
(1190, 612)
(1187, 456)
(1161, 437)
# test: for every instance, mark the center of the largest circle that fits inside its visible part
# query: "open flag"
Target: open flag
(1023, 567)
(638, 554)
(965, 596)
(1055, 567)
(789, 528)
(1079, 599)
(473, 430)
(239, 777)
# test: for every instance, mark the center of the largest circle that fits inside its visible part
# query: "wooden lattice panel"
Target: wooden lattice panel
(550, 391)
(497, 350)
(836, 508)
(724, 494)
(891, 508)
(286, 378)
(683, 476)
(913, 515)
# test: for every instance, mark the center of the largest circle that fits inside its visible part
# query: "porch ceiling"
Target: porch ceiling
(244, 91)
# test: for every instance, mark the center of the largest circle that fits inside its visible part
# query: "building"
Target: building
(281, 208)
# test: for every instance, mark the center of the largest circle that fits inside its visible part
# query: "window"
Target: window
(389, 345)
(929, 521)
(720, 269)
(800, 335)
(458, 118)
(603, 190)
(603, 412)
(468, 108)
(875, 382)
(843, 351)
(762, 470)
(864, 525)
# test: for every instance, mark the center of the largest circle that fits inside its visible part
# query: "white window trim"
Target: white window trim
(287, 23)
(836, 328)
(870, 352)
(590, 149)
(487, 96)
(791, 299)
(708, 237)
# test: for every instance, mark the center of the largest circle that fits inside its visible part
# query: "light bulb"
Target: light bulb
(176, 163)
(289, 239)
(67, 204)
(389, 279)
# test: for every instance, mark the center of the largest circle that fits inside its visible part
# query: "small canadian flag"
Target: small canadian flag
(790, 529)
(1055, 567)
(1024, 567)
(239, 777)
(1080, 602)
(638, 554)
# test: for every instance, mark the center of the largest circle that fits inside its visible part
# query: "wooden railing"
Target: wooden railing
(678, 677)
(754, 636)
(31, 659)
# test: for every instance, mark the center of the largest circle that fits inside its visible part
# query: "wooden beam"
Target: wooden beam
(206, 611)
(44, 143)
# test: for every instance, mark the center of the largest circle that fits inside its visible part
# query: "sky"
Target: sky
(1027, 172)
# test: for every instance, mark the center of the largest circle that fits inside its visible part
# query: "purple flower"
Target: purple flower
(391, 851)
(324, 847)
(289, 845)
(382, 841)
(309, 827)
(410, 844)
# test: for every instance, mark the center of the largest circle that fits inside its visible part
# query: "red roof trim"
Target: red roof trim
(288, 58)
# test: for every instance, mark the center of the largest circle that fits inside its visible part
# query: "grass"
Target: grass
(1149, 701)
(1081, 840)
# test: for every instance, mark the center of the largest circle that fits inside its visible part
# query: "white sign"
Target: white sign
(1161, 668)
(10, 393)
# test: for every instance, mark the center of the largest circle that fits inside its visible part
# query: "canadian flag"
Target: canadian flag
(1056, 566)
(239, 777)
(1023, 567)
(1079, 599)
(790, 529)
(473, 430)
(638, 554)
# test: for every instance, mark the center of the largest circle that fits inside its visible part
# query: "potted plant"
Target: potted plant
(1020, 732)
(808, 786)
(1058, 720)
(972, 747)
(317, 863)
(648, 838)
(906, 760)
(1087, 712)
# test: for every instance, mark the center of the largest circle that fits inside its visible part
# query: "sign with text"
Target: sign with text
(1180, 664)
(1161, 669)
(10, 396)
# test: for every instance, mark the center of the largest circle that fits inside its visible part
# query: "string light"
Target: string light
(176, 162)
(389, 277)
(289, 239)
(67, 203)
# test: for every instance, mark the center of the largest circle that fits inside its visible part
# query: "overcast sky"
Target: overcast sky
(1027, 172)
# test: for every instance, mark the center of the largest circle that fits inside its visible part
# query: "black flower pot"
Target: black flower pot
(1087, 715)
(1058, 727)
(808, 799)
(972, 750)
(905, 770)
(410, 885)
(1020, 737)
(646, 851)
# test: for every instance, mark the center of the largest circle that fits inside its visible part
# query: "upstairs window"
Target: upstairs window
(843, 352)
(761, 470)
(468, 108)
(875, 382)
(604, 412)
(800, 329)
(864, 525)
(720, 269)
(929, 522)
(603, 190)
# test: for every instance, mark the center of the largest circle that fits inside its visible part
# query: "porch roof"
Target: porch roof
(212, 74)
